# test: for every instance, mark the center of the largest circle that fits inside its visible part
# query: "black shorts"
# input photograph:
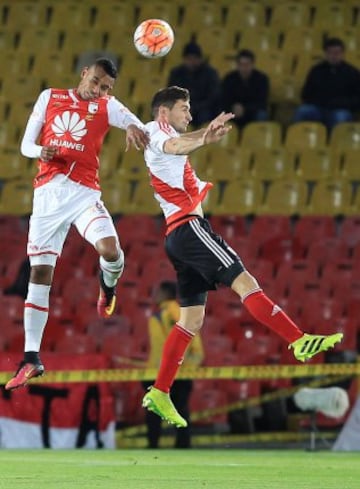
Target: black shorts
(201, 258)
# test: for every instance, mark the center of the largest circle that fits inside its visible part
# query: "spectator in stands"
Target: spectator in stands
(245, 91)
(202, 81)
(165, 316)
(331, 92)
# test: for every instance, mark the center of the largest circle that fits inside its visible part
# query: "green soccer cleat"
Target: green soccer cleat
(310, 345)
(160, 403)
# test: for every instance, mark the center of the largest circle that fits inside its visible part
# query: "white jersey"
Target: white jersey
(176, 186)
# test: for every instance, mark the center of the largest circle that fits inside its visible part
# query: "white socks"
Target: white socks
(112, 270)
(36, 313)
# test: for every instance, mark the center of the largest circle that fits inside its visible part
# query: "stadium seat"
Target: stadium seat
(12, 164)
(215, 42)
(278, 249)
(201, 401)
(287, 15)
(328, 249)
(112, 16)
(285, 197)
(77, 15)
(76, 343)
(16, 198)
(272, 164)
(317, 164)
(264, 227)
(259, 39)
(56, 62)
(26, 14)
(276, 64)
(132, 166)
(308, 38)
(229, 226)
(304, 135)
(143, 201)
(310, 229)
(350, 230)
(244, 15)
(350, 168)
(285, 90)
(258, 135)
(345, 136)
(116, 195)
(30, 38)
(201, 14)
(331, 15)
(330, 198)
(241, 197)
(227, 164)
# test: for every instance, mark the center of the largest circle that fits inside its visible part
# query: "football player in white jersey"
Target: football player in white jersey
(201, 258)
(65, 132)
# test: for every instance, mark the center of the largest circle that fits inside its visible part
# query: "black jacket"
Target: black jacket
(252, 93)
(333, 87)
(203, 84)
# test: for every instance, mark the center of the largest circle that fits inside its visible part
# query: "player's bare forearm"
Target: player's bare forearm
(185, 144)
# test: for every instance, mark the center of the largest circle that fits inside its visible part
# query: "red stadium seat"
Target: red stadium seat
(350, 230)
(327, 250)
(265, 227)
(209, 399)
(311, 228)
(282, 248)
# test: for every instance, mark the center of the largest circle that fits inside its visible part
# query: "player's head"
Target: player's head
(192, 55)
(172, 105)
(245, 61)
(98, 79)
(334, 50)
(166, 292)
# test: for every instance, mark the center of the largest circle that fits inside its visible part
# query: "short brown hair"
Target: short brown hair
(168, 96)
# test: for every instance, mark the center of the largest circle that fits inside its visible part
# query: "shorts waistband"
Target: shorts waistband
(180, 221)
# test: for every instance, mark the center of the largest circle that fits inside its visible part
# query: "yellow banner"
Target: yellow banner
(230, 372)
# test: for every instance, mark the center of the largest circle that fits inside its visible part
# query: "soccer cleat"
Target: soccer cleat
(310, 344)
(24, 373)
(160, 403)
(107, 299)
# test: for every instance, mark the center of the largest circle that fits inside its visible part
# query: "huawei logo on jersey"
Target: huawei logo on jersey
(69, 122)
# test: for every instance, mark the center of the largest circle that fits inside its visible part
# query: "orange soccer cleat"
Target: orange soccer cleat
(107, 299)
(24, 373)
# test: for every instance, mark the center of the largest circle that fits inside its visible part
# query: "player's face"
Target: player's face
(179, 116)
(94, 83)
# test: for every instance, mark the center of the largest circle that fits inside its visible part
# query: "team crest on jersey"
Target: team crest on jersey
(93, 107)
(69, 122)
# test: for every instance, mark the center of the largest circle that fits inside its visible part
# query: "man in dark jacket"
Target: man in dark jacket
(201, 80)
(331, 92)
(245, 91)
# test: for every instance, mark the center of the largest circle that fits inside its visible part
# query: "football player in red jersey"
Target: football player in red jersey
(65, 132)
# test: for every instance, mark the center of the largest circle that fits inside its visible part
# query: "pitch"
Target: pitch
(170, 469)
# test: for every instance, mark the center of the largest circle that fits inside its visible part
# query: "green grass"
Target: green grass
(171, 469)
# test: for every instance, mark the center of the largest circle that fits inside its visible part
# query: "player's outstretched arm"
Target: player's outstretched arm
(186, 143)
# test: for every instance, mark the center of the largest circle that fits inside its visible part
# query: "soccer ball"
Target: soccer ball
(153, 38)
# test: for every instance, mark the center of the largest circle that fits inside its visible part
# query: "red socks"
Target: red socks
(268, 313)
(172, 357)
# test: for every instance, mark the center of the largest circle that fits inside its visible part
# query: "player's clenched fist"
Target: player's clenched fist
(48, 152)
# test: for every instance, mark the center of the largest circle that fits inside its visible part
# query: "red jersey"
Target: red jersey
(77, 128)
